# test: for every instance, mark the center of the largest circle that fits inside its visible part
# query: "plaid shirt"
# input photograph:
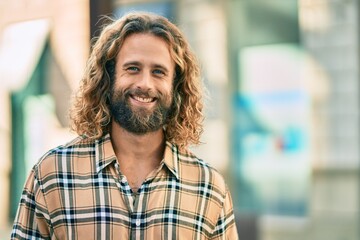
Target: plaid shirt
(76, 191)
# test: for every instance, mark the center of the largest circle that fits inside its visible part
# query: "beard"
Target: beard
(139, 120)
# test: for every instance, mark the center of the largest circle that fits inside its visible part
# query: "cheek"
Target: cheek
(168, 86)
(169, 95)
(122, 80)
(118, 91)
(121, 85)
(167, 91)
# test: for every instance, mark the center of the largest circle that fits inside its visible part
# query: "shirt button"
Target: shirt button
(137, 222)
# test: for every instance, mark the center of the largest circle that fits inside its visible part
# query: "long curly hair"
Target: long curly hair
(90, 114)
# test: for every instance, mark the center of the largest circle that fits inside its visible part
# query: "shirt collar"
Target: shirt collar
(104, 155)
(171, 158)
(104, 152)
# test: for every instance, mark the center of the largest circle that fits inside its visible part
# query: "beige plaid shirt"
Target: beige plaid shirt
(76, 191)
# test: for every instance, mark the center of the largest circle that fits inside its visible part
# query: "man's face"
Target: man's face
(141, 95)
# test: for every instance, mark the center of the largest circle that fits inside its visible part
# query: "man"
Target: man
(129, 174)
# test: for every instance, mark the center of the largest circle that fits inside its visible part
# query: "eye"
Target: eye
(159, 72)
(133, 69)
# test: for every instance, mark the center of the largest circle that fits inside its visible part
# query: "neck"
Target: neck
(146, 147)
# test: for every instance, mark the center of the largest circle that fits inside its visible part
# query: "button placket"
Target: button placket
(123, 179)
(137, 222)
(124, 187)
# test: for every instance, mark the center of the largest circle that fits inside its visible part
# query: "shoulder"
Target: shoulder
(76, 146)
(192, 168)
(56, 159)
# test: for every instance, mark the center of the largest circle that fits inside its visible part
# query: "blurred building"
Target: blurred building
(296, 116)
(282, 117)
(43, 50)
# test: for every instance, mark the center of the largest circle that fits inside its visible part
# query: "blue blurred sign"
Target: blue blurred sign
(271, 139)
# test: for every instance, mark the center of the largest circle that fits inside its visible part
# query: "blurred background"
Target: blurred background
(282, 116)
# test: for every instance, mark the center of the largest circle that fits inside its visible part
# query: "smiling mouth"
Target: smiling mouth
(143, 99)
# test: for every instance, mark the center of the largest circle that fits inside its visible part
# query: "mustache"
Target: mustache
(141, 93)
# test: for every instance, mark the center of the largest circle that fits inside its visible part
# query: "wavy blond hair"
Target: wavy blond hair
(90, 113)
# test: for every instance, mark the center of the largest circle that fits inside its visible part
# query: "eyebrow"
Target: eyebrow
(126, 64)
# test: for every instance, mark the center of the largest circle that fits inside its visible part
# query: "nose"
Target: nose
(145, 81)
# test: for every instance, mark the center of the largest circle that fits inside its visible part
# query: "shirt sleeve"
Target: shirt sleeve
(225, 228)
(32, 218)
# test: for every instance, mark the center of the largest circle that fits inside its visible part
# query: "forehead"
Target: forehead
(145, 47)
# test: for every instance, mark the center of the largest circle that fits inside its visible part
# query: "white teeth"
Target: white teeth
(145, 100)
